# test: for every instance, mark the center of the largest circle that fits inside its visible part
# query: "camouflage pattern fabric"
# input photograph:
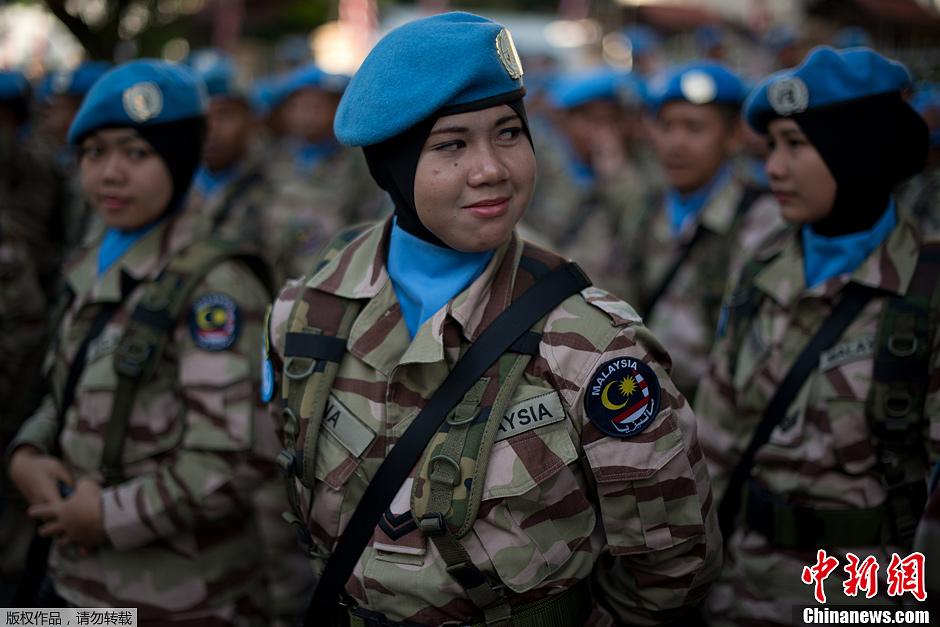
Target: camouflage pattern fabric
(561, 501)
(686, 315)
(183, 543)
(823, 454)
(922, 194)
(306, 211)
(31, 188)
(23, 322)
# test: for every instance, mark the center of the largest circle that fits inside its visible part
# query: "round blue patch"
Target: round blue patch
(623, 397)
(214, 322)
(267, 377)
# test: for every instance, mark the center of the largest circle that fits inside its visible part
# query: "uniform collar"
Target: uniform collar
(889, 268)
(380, 336)
(144, 260)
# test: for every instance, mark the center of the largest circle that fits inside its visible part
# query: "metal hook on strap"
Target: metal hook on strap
(299, 375)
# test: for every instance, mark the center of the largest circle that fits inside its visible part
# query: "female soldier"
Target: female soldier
(567, 484)
(812, 414)
(141, 459)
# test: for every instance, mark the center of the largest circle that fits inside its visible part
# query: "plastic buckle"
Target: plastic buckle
(132, 355)
(285, 463)
(432, 525)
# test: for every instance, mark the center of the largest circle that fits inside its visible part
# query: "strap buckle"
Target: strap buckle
(432, 525)
(132, 356)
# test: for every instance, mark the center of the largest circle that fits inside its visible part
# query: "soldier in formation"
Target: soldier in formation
(140, 461)
(815, 414)
(566, 484)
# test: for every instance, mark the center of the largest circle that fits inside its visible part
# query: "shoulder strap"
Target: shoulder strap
(748, 196)
(854, 300)
(512, 323)
(897, 396)
(149, 328)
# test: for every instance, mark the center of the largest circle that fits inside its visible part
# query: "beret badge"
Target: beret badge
(61, 82)
(143, 101)
(698, 87)
(788, 95)
(506, 50)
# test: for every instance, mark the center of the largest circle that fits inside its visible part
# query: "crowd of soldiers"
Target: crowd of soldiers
(648, 179)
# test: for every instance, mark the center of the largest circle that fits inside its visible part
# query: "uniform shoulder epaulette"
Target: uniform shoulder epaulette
(619, 311)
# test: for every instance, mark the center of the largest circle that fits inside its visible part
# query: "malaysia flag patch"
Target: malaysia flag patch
(623, 397)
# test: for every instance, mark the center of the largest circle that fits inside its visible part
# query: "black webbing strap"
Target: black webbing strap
(856, 296)
(512, 323)
(748, 197)
(34, 569)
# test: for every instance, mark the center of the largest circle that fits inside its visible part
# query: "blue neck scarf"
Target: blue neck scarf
(425, 277)
(117, 242)
(209, 184)
(683, 208)
(309, 155)
(827, 257)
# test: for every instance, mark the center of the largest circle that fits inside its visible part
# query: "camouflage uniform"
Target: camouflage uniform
(307, 210)
(182, 542)
(823, 454)
(23, 315)
(922, 194)
(686, 314)
(560, 502)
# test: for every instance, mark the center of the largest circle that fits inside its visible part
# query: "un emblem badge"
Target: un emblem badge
(788, 95)
(698, 87)
(143, 101)
(506, 50)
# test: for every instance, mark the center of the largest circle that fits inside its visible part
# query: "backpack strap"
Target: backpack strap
(895, 411)
(149, 328)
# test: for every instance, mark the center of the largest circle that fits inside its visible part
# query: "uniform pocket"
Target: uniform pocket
(534, 513)
(851, 435)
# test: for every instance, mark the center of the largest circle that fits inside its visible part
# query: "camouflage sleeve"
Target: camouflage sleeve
(716, 411)
(662, 544)
(761, 223)
(224, 453)
(932, 403)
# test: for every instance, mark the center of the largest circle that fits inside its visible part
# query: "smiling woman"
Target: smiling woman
(142, 460)
(542, 514)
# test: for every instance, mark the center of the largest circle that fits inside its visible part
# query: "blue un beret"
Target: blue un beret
(13, 86)
(573, 89)
(425, 65)
(698, 82)
(219, 71)
(308, 75)
(145, 92)
(826, 77)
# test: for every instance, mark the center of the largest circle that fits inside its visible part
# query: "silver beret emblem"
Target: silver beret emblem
(61, 82)
(698, 87)
(506, 50)
(788, 95)
(143, 101)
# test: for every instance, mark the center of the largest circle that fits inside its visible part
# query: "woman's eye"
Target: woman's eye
(90, 151)
(510, 133)
(137, 153)
(451, 145)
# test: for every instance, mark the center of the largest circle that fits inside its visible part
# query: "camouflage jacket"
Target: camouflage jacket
(823, 454)
(305, 212)
(922, 194)
(180, 539)
(561, 500)
(686, 315)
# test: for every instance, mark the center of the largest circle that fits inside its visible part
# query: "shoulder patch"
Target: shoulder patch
(267, 370)
(623, 397)
(214, 322)
(620, 312)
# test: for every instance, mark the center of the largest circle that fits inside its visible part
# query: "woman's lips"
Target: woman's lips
(489, 208)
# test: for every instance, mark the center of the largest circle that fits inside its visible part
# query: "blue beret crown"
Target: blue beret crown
(698, 82)
(425, 65)
(140, 93)
(218, 70)
(308, 75)
(13, 86)
(826, 77)
(604, 83)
